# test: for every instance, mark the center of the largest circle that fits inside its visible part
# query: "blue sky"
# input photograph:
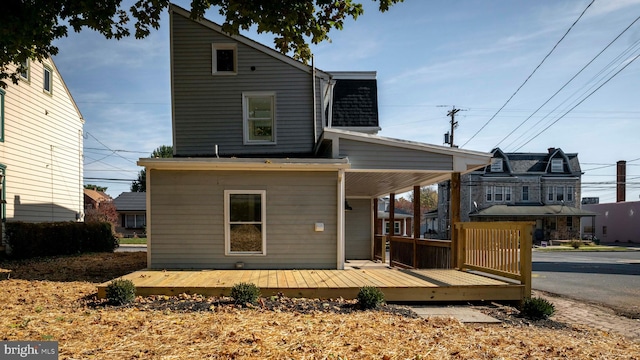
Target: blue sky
(429, 56)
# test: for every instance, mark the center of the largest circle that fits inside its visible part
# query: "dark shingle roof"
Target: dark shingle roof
(355, 103)
(131, 201)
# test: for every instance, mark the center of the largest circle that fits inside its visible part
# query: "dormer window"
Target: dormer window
(556, 165)
(496, 165)
(224, 59)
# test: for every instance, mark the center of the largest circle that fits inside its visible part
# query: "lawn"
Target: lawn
(595, 248)
(55, 299)
(133, 241)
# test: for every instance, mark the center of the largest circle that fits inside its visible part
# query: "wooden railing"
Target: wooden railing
(498, 248)
(419, 253)
(379, 247)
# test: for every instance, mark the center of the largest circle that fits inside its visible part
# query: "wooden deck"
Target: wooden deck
(396, 284)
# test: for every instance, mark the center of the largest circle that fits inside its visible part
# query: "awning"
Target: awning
(531, 210)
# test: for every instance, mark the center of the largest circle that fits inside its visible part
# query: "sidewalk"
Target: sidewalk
(598, 317)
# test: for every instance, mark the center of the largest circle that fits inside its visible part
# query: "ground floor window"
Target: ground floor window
(134, 221)
(245, 219)
(396, 227)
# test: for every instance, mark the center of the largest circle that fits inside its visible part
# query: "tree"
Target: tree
(428, 199)
(140, 185)
(104, 212)
(29, 27)
(95, 187)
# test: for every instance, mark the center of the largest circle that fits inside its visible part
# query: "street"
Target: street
(608, 278)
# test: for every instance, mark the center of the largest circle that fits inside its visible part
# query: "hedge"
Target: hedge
(27, 240)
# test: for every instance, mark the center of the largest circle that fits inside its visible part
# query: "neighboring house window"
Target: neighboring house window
(498, 193)
(553, 225)
(604, 230)
(507, 193)
(569, 223)
(559, 193)
(496, 165)
(259, 117)
(1, 115)
(525, 193)
(396, 227)
(224, 59)
(556, 165)
(550, 193)
(48, 80)
(569, 193)
(488, 193)
(245, 220)
(134, 221)
(25, 74)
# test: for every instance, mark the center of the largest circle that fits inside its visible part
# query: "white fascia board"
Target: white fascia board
(353, 75)
(245, 164)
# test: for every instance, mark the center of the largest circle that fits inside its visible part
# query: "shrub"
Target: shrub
(121, 291)
(369, 297)
(575, 244)
(537, 308)
(245, 293)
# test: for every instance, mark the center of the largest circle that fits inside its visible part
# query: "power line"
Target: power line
(108, 148)
(530, 75)
(569, 81)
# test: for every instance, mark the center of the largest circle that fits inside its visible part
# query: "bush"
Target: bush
(245, 293)
(575, 244)
(121, 291)
(537, 308)
(27, 240)
(369, 297)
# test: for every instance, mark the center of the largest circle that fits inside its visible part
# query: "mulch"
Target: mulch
(55, 299)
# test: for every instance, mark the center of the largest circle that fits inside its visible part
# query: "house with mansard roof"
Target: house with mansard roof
(539, 187)
(267, 153)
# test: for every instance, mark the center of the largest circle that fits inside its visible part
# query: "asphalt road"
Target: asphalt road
(608, 278)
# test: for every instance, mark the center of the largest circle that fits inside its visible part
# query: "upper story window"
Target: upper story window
(550, 193)
(559, 193)
(24, 75)
(556, 165)
(259, 117)
(224, 59)
(488, 193)
(525, 193)
(47, 85)
(507, 193)
(496, 165)
(498, 193)
(245, 220)
(569, 193)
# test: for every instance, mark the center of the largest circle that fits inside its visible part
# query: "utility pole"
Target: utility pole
(454, 124)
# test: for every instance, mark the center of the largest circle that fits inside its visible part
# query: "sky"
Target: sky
(507, 65)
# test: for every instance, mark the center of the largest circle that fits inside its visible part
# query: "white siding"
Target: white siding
(42, 150)
(186, 223)
(358, 228)
(364, 155)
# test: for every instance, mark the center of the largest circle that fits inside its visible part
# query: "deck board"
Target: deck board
(396, 284)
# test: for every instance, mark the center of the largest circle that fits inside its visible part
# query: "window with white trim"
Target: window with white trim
(559, 193)
(498, 193)
(556, 165)
(224, 59)
(245, 222)
(259, 117)
(134, 221)
(24, 75)
(488, 193)
(396, 227)
(550, 193)
(47, 85)
(507, 193)
(496, 165)
(569, 193)
(525, 193)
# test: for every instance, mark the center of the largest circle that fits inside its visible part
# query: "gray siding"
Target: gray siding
(358, 230)
(364, 155)
(187, 220)
(208, 108)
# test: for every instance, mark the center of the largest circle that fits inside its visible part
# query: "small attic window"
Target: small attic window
(556, 165)
(224, 59)
(496, 165)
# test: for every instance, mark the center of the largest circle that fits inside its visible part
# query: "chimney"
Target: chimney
(621, 182)
(551, 150)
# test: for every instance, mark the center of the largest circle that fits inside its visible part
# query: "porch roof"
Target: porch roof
(531, 210)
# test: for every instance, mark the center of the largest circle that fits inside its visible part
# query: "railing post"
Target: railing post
(416, 224)
(454, 206)
(526, 243)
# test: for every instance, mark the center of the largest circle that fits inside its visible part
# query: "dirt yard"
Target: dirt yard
(54, 299)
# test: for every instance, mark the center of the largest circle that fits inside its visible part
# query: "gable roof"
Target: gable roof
(96, 196)
(131, 201)
(540, 163)
(175, 9)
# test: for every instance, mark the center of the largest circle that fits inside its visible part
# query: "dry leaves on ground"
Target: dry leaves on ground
(35, 308)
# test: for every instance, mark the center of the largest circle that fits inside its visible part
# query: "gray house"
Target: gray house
(539, 187)
(267, 153)
(132, 213)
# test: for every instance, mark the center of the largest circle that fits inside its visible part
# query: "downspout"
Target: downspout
(340, 234)
(315, 110)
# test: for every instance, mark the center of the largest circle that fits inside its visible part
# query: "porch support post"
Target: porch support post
(392, 226)
(454, 205)
(417, 216)
(341, 200)
(383, 253)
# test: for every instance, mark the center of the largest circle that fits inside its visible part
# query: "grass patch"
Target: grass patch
(592, 248)
(133, 241)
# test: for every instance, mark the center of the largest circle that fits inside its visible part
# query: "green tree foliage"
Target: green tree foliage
(428, 198)
(95, 187)
(29, 27)
(140, 185)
